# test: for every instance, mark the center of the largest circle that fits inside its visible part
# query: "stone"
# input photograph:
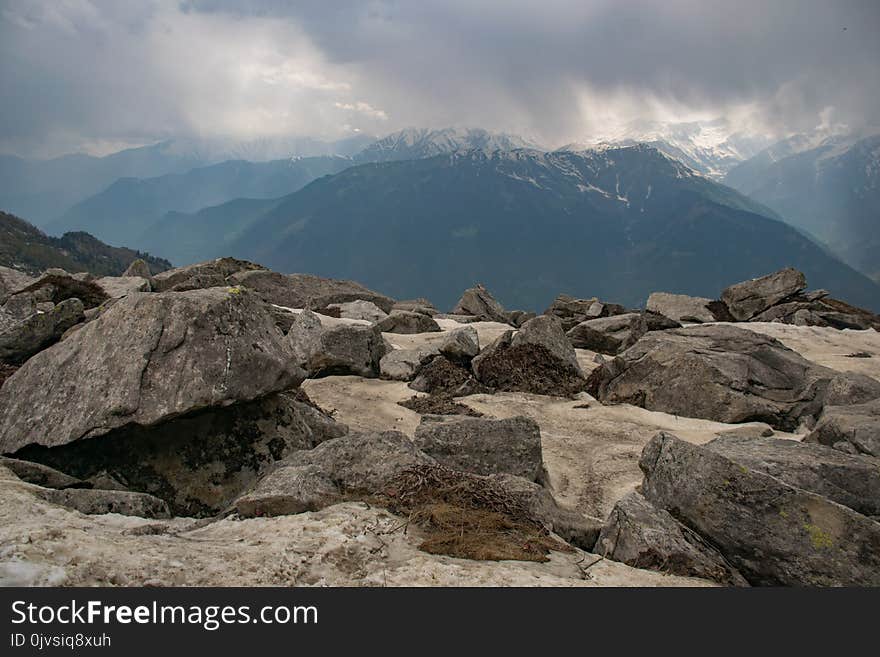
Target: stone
(519, 317)
(337, 350)
(201, 275)
(57, 288)
(139, 269)
(605, 335)
(147, 359)
(681, 307)
(198, 463)
(727, 374)
(773, 533)
(460, 345)
(121, 286)
(363, 462)
(642, 536)
(21, 339)
(360, 309)
(288, 490)
(99, 502)
(39, 474)
(854, 429)
(308, 291)
(484, 446)
(12, 281)
(420, 305)
(479, 302)
(405, 322)
(537, 359)
(852, 481)
(749, 298)
(403, 364)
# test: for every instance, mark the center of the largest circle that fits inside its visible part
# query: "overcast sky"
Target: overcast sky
(97, 75)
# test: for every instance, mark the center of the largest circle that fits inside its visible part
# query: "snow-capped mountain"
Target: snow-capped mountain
(711, 148)
(418, 143)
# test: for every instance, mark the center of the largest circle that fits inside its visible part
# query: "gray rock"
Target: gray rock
(483, 446)
(537, 359)
(359, 309)
(852, 429)
(611, 335)
(288, 490)
(571, 311)
(201, 275)
(402, 321)
(147, 359)
(39, 474)
(361, 463)
(21, 339)
(749, 298)
(139, 269)
(338, 350)
(479, 302)
(403, 364)
(519, 317)
(12, 281)
(547, 332)
(200, 462)
(420, 305)
(727, 374)
(461, 319)
(573, 527)
(307, 291)
(771, 532)
(460, 345)
(121, 286)
(852, 481)
(680, 306)
(99, 502)
(642, 536)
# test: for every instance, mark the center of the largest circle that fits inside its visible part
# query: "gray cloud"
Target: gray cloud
(90, 72)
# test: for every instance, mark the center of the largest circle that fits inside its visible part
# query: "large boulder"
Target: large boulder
(460, 345)
(308, 291)
(747, 299)
(681, 307)
(483, 446)
(479, 302)
(116, 287)
(442, 376)
(571, 311)
(139, 269)
(641, 535)
(200, 462)
(99, 502)
(420, 305)
(852, 429)
(39, 474)
(22, 338)
(812, 309)
(147, 359)
(60, 286)
(852, 481)
(611, 335)
(727, 374)
(403, 364)
(12, 281)
(537, 359)
(403, 321)
(288, 490)
(201, 275)
(338, 350)
(773, 533)
(359, 309)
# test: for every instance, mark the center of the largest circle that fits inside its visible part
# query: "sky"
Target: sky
(99, 75)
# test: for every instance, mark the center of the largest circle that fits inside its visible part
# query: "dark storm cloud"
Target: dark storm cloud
(556, 70)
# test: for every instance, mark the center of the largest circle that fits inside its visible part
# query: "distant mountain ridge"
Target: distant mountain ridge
(830, 190)
(419, 143)
(126, 212)
(26, 248)
(618, 223)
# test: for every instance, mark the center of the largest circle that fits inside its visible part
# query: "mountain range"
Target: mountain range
(617, 223)
(830, 190)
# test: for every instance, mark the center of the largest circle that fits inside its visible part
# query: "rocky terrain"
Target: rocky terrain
(223, 424)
